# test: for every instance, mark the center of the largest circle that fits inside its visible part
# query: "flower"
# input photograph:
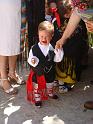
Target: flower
(82, 4)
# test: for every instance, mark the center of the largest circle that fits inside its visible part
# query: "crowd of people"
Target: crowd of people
(56, 58)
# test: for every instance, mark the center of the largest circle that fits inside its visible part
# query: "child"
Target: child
(52, 15)
(42, 58)
(75, 51)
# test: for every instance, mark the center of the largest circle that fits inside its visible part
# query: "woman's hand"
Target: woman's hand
(59, 44)
(89, 26)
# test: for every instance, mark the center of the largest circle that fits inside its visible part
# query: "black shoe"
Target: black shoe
(91, 82)
(38, 104)
(68, 86)
(54, 97)
(88, 105)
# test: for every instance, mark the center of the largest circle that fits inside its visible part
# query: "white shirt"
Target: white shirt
(45, 49)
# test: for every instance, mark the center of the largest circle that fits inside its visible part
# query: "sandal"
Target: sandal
(11, 90)
(16, 79)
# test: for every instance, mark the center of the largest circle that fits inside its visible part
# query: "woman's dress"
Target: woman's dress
(10, 26)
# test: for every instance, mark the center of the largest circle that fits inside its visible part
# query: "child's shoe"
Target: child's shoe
(70, 86)
(38, 104)
(63, 89)
(54, 96)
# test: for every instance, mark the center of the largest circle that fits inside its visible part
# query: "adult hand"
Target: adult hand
(59, 44)
(89, 26)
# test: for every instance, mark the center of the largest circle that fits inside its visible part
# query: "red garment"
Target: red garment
(41, 87)
(54, 10)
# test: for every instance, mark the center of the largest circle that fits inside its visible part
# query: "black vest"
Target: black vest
(46, 65)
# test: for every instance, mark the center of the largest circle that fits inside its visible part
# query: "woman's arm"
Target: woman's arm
(71, 26)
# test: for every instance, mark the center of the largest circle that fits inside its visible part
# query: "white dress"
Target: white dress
(10, 26)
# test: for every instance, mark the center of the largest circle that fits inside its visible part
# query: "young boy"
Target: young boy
(42, 58)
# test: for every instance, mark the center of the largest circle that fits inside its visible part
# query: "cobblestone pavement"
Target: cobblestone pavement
(68, 109)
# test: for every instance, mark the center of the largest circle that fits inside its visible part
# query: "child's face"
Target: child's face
(44, 37)
(53, 5)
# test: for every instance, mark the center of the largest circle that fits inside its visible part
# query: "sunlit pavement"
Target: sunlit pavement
(68, 109)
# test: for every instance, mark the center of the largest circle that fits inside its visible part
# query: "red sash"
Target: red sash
(41, 87)
(56, 14)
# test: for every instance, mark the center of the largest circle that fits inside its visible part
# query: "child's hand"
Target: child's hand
(56, 51)
(33, 61)
(58, 55)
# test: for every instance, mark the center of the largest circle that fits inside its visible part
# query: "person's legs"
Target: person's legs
(37, 95)
(12, 70)
(50, 90)
(4, 82)
(12, 66)
(3, 71)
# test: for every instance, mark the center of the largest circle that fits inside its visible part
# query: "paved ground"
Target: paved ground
(67, 110)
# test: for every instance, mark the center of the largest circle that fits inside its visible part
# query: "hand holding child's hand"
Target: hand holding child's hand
(58, 44)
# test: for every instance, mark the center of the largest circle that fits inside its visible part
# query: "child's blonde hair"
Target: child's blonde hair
(46, 25)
